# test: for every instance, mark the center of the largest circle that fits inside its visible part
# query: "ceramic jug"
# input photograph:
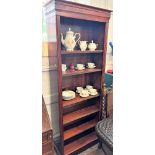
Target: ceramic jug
(69, 42)
(83, 45)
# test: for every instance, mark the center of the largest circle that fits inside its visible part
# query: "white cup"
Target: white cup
(89, 87)
(64, 67)
(80, 66)
(79, 89)
(90, 64)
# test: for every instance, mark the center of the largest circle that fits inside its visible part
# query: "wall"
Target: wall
(48, 79)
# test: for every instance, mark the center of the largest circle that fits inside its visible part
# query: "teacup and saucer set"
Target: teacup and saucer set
(80, 67)
(91, 65)
(84, 93)
(93, 92)
(79, 89)
(89, 90)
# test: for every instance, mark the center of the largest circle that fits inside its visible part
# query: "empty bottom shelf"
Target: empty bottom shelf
(79, 143)
(79, 129)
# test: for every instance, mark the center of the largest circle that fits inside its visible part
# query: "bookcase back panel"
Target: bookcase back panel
(89, 30)
(82, 105)
(82, 59)
(72, 82)
(81, 121)
(78, 136)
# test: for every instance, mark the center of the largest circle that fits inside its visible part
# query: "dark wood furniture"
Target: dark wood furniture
(47, 133)
(104, 131)
(79, 116)
(104, 128)
(110, 103)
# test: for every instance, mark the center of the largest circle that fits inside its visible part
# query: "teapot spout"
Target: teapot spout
(62, 40)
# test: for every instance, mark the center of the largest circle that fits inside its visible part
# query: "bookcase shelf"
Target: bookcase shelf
(77, 72)
(79, 129)
(78, 115)
(78, 99)
(80, 143)
(71, 117)
(81, 52)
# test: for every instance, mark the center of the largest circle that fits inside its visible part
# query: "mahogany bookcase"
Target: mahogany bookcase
(78, 117)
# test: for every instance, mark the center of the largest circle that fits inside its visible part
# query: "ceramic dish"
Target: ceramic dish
(68, 94)
(69, 98)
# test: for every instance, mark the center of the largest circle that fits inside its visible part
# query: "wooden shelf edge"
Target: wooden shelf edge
(76, 115)
(80, 143)
(63, 52)
(79, 129)
(85, 71)
(78, 99)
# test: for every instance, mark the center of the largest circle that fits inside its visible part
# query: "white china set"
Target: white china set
(85, 92)
(91, 46)
(90, 65)
(70, 42)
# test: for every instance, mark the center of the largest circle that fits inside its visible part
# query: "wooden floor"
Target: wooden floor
(92, 151)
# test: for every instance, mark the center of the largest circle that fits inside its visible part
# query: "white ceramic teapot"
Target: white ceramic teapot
(69, 42)
(92, 46)
(83, 45)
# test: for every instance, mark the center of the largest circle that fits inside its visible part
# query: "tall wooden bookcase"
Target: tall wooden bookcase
(78, 117)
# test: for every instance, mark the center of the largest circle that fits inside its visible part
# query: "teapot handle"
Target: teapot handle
(78, 38)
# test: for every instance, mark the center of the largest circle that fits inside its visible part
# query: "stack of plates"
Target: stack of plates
(68, 94)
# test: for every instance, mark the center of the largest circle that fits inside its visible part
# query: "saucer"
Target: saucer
(84, 95)
(82, 68)
(93, 94)
(91, 67)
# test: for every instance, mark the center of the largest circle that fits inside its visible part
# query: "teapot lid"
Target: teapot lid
(92, 42)
(71, 32)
